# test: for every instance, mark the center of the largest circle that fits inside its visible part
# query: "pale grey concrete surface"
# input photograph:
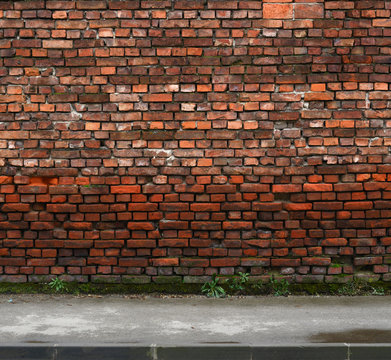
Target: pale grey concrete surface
(254, 321)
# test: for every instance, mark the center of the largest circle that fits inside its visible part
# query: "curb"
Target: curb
(195, 352)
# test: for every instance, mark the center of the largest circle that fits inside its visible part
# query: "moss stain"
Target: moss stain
(194, 289)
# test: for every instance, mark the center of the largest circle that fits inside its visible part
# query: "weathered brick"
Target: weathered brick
(140, 226)
(11, 207)
(58, 44)
(157, 98)
(165, 262)
(286, 188)
(224, 262)
(254, 188)
(94, 98)
(309, 11)
(89, 5)
(317, 187)
(61, 208)
(60, 5)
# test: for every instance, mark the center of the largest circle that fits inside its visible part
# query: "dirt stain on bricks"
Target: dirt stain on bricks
(355, 336)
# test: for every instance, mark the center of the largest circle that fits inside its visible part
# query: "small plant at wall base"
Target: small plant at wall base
(351, 288)
(238, 284)
(360, 287)
(378, 290)
(213, 289)
(279, 287)
(58, 285)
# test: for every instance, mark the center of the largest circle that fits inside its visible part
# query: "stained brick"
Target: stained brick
(61, 208)
(89, 5)
(58, 44)
(309, 11)
(286, 188)
(157, 98)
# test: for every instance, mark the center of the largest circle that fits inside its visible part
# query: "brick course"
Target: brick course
(161, 140)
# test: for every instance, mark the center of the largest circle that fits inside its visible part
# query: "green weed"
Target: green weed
(213, 289)
(237, 284)
(378, 290)
(360, 287)
(58, 285)
(279, 287)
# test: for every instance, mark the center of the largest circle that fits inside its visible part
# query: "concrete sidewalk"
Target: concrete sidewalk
(120, 327)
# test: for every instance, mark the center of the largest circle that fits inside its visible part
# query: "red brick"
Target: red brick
(362, 242)
(135, 243)
(188, 262)
(11, 98)
(224, 262)
(11, 23)
(60, 5)
(309, 11)
(319, 96)
(204, 207)
(125, 189)
(219, 4)
(165, 262)
(27, 189)
(36, 4)
(334, 242)
(157, 98)
(381, 22)
(370, 260)
(285, 262)
(178, 243)
(142, 207)
(203, 225)
(11, 207)
(61, 208)
(348, 187)
(298, 206)
(267, 206)
(255, 262)
(286, 188)
(129, 262)
(277, 11)
(88, 5)
(327, 206)
(220, 189)
(235, 225)
(94, 98)
(358, 205)
(317, 187)
(6, 179)
(316, 261)
(140, 226)
(58, 44)
(93, 208)
(119, 4)
(254, 188)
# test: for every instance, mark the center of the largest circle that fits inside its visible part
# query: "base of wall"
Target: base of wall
(354, 286)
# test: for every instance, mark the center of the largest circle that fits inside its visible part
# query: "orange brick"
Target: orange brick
(277, 11)
(318, 87)
(157, 98)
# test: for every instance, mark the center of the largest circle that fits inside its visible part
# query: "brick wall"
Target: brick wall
(167, 140)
